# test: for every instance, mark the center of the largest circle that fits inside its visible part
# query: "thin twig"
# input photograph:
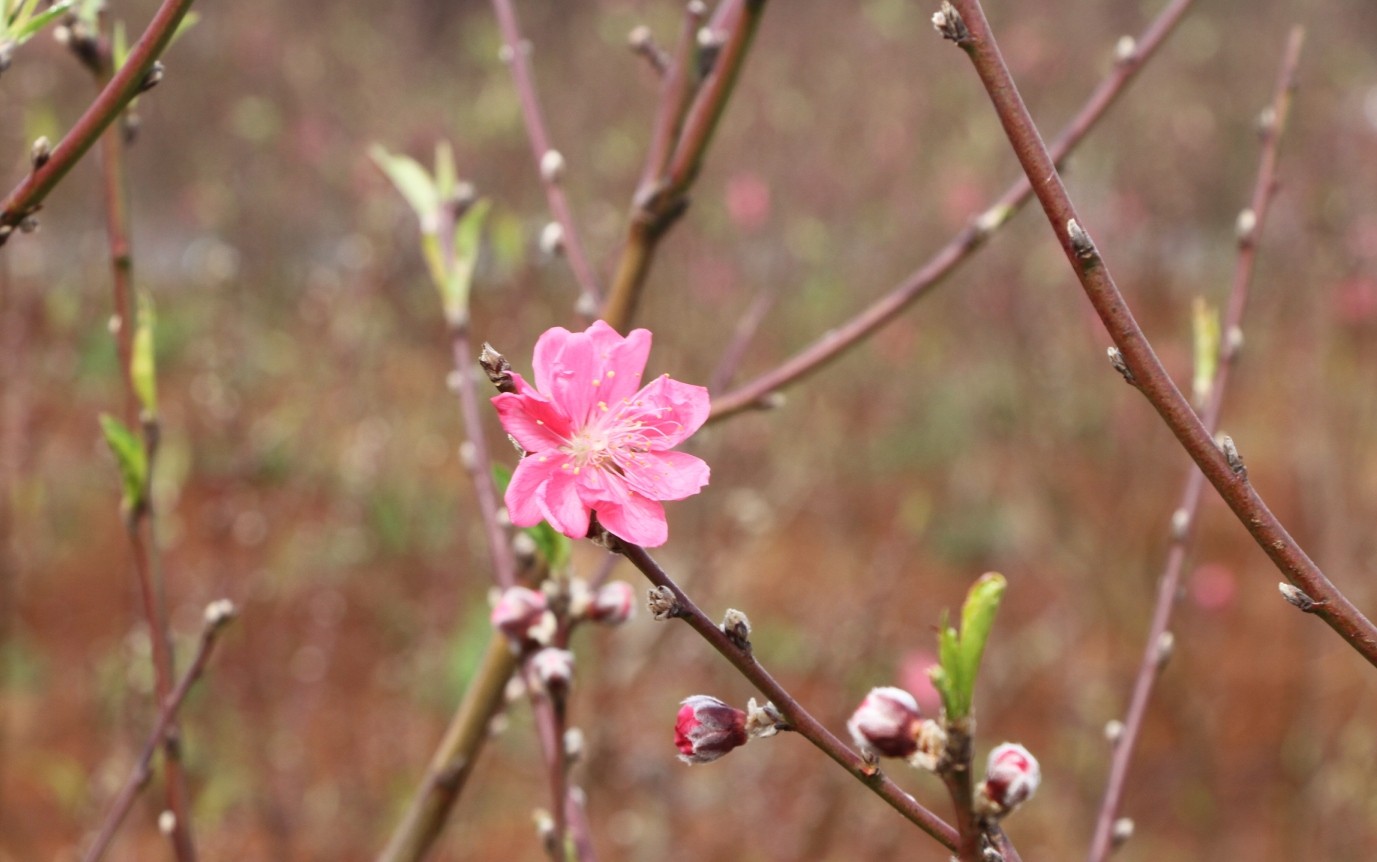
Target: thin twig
(661, 199)
(1184, 518)
(516, 51)
(26, 198)
(746, 328)
(549, 721)
(1224, 469)
(798, 717)
(839, 340)
(218, 614)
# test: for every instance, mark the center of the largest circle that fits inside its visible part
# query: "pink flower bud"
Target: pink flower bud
(707, 728)
(522, 615)
(613, 603)
(1011, 778)
(553, 669)
(886, 724)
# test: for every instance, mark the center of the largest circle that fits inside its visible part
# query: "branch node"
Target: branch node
(1226, 445)
(40, 152)
(737, 627)
(1126, 51)
(1297, 597)
(662, 603)
(1116, 359)
(1082, 244)
(951, 25)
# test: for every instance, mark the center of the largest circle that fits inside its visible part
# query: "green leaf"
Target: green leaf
(23, 24)
(413, 182)
(454, 293)
(129, 455)
(959, 655)
(446, 174)
(143, 369)
(1205, 327)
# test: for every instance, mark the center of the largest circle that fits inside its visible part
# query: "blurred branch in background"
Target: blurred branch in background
(134, 77)
(516, 52)
(1221, 353)
(696, 87)
(218, 614)
(963, 22)
(1131, 56)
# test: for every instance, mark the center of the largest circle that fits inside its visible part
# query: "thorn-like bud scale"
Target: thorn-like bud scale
(951, 25)
(737, 627)
(40, 152)
(1297, 597)
(1116, 359)
(1081, 243)
(153, 77)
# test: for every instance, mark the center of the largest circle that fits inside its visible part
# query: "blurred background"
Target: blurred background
(309, 469)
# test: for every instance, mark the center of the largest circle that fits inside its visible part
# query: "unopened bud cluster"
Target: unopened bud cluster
(707, 728)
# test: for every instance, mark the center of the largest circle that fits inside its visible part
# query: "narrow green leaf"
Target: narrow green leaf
(119, 45)
(467, 236)
(414, 184)
(1205, 327)
(977, 618)
(23, 27)
(143, 367)
(129, 455)
(446, 174)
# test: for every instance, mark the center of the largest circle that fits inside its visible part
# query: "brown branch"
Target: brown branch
(455, 757)
(218, 614)
(26, 198)
(835, 342)
(1184, 517)
(663, 193)
(516, 51)
(799, 718)
(1221, 464)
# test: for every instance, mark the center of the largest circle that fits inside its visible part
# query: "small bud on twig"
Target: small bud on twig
(1245, 225)
(1297, 597)
(1121, 832)
(219, 612)
(498, 369)
(167, 822)
(552, 239)
(552, 166)
(1081, 243)
(706, 728)
(1113, 731)
(1166, 644)
(6, 54)
(152, 78)
(1125, 50)
(662, 604)
(737, 627)
(40, 152)
(1116, 359)
(951, 25)
(1235, 461)
(1180, 523)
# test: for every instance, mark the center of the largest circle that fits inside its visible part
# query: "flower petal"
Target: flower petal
(637, 520)
(567, 370)
(560, 503)
(621, 361)
(671, 411)
(527, 487)
(535, 422)
(667, 475)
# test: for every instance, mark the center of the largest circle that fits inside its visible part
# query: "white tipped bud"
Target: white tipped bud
(219, 612)
(552, 238)
(167, 821)
(552, 166)
(1245, 225)
(1121, 832)
(1125, 48)
(1113, 731)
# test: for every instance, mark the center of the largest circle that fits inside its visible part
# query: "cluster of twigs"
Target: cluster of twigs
(697, 76)
(689, 107)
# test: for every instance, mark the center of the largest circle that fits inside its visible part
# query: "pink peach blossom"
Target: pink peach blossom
(597, 441)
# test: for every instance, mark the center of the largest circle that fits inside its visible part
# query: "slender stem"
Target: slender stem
(217, 615)
(798, 717)
(455, 757)
(661, 199)
(579, 833)
(517, 53)
(27, 197)
(1184, 518)
(746, 328)
(478, 460)
(549, 720)
(841, 339)
(1225, 473)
